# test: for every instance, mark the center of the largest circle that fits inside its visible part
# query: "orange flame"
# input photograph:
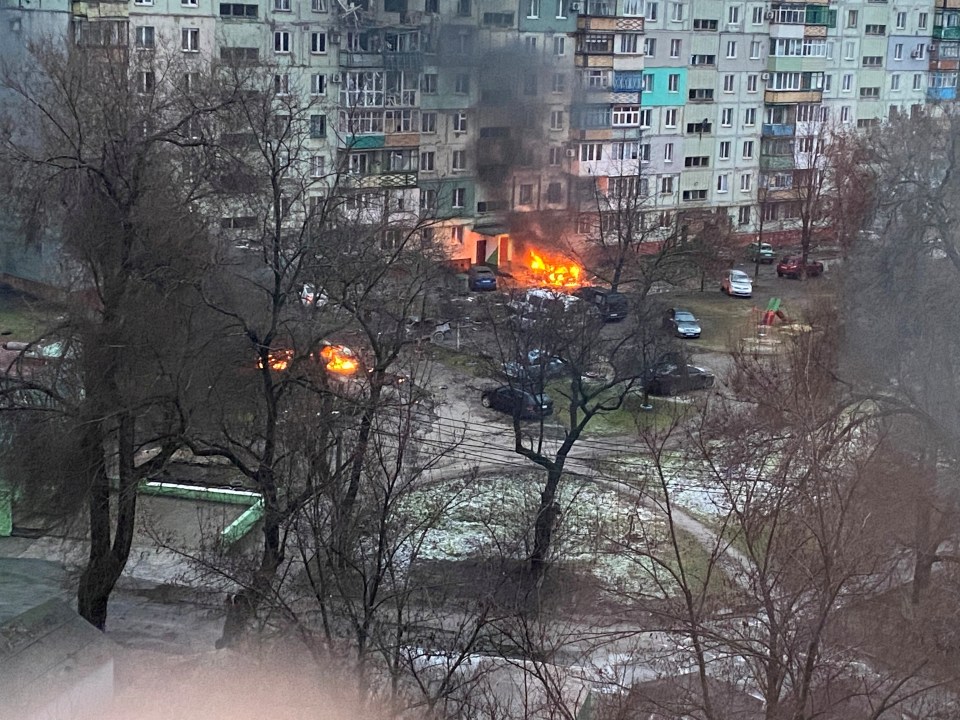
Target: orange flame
(554, 274)
(278, 360)
(339, 359)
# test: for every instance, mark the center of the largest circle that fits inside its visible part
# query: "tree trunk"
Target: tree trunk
(546, 520)
(925, 552)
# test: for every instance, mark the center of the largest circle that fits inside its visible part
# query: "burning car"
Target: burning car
(554, 273)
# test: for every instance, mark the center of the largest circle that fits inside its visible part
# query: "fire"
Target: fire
(278, 360)
(339, 359)
(566, 274)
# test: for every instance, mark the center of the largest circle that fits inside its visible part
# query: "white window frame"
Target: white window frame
(281, 42)
(318, 84)
(190, 39)
(318, 43)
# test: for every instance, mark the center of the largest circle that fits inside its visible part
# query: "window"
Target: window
(873, 61)
(731, 48)
(650, 47)
(146, 81)
(428, 122)
(668, 152)
(555, 156)
(756, 15)
(733, 15)
(747, 150)
(281, 41)
(918, 51)
(318, 5)
(239, 10)
(870, 29)
(462, 84)
(281, 5)
(746, 182)
(756, 47)
(428, 84)
(318, 84)
(188, 3)
(700, 94)
(750, 117)
(317, 166)
(676, 12)
(673, 83)
(691, 195)
(554, 193)
(849, 50)
(459, 160)
(633, 8)
(463, 8)
(626, 115)
(459, 198)
(852, 17)
(145, 37)
(190, 39)
(922, 21)
(525, 196)
(898, 51)
(704, 24)
(318, 126)
(743, 215)
(867, 93)
(666, 185)
(533, 9)
(428, 199)
(559, 83)
(723, 183)
(598, 78)
(530, 45)
(646, 82)
(646, 118)
(556, 119)
(724, 150)
(629, 44)
(318, 43)
(559, 46)
(675, 48)
(696, 161)
(917, 81)
(650, 14)
(561, 10)
(726, 117)
(751, 83)
(703, 59)
(847, 83)
(460, 122)
(143, 2)
(591, 151)
(699, 127)
(827, 82)
(670, 118)
(728, 83)
(428, 161)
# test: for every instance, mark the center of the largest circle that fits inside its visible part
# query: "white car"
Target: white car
(737, 283)
(311, 297)
(539, 303)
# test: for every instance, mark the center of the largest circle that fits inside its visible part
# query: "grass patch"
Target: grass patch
(628, 418)
(459, 360)
(724, 320)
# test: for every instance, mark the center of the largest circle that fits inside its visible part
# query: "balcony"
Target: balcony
(385, 180)
(942, 93)
(776, 162)
(791, 97)
(627, 81)
(777, 130)
(946, 33)
(403, 61)
(361, 60)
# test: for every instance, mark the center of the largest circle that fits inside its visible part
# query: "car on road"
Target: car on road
(682, 323)
(672, 378)
(517, 402)
(534, 367)
(612, 306)
(480, 277)
(737, 283)
(792, 266)
(760, 252)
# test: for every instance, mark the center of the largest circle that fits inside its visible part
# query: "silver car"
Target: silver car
(737, 283)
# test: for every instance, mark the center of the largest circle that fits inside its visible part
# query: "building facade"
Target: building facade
(510, 121)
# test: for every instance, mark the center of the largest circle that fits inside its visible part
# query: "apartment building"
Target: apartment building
(507, 119)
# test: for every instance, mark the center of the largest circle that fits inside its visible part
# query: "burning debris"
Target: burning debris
(336, 359)
(554, 273)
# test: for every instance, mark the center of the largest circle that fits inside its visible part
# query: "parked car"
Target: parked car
(760, 252)
(682, 323)
(310, 296)
(670, 378)
(534, 367)
(481, 278)
(738, 283)
(539, 303)
(517, 402)
(611, 305)
(792, 266)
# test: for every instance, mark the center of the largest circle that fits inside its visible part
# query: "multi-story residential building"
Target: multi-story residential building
(513, 121)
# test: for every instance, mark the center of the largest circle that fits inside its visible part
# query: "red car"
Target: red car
(792, 266)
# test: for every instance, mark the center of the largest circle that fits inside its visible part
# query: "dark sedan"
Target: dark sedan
(482, 278)
(682, 323)
(673, 379)
(518, 402)
(534, 367)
